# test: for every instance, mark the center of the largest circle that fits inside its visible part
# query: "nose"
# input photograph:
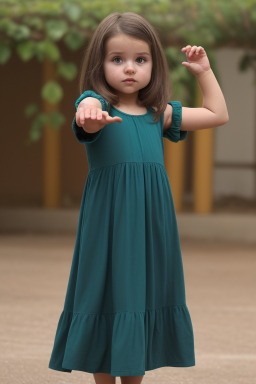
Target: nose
(129, 67)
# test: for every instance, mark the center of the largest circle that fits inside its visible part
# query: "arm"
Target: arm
(214, 111)
(90, 117)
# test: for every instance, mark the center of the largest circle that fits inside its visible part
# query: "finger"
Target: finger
(105, 113)
(187, 48)
(81, 117)
(99, 114)
(110, 118)
(115, 119)
(87, 113)
(78, 120)
(93, 113)
(193, 49)
(200, 49)
(186, 64)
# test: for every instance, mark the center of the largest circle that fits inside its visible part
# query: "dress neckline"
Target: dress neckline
(128, 114)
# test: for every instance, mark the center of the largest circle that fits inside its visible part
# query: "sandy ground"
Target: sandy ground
(220, 290)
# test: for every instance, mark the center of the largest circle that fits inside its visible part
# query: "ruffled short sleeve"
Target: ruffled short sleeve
(81, 135)
(174, 133)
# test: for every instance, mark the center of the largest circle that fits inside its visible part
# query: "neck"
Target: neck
(129, 100)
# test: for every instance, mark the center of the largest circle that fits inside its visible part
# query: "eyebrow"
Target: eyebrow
(138, 53)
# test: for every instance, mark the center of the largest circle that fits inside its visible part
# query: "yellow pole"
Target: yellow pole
(51, 150)
(202, 166)
(174, 159)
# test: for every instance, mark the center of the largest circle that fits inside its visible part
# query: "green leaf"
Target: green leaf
(34, 22)
(72, 11)
(56, 119)
(74, 39)
(35, 134)
(88, 23)
(26, 50)
(52, 92)
(67, 70)
(19, 32)
(30, 109)
(5, 53)
(37, 127)
(56, 29)
(5, 25)
(47, 49)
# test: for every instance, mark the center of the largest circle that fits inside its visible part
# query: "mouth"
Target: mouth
(129, 80)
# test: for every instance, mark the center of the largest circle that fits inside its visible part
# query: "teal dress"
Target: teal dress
(125, 309)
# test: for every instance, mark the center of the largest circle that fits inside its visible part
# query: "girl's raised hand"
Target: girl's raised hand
(93, 118)
(197, 59)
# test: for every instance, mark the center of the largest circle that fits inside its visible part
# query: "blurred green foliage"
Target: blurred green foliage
(34, 29)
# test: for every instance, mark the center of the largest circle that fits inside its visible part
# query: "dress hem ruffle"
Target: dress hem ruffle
(128, 372)
(124, 338)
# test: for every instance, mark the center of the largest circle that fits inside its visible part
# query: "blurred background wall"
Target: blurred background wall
(235, 144)
(21, 166)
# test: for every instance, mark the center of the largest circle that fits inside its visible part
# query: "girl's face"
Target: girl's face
(127, 58)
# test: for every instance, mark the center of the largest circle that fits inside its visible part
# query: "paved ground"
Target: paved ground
(220, 290)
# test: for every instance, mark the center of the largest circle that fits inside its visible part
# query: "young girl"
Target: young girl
(125, 310)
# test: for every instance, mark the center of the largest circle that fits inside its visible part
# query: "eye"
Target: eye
(117, 58)
(141, 58)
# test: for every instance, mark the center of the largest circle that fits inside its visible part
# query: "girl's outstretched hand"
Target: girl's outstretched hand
(197, 59)
(93, 118)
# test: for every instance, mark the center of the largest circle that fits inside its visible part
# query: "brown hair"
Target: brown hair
(156, 94)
